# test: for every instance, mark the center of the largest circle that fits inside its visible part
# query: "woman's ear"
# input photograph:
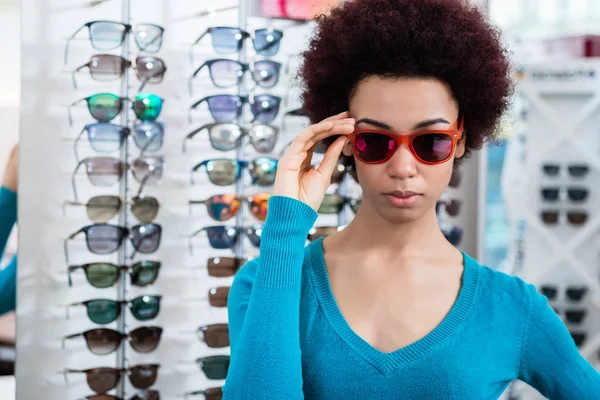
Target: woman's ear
(347, 150)
(460, 147)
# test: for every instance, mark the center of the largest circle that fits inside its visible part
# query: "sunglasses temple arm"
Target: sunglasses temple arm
(70, 270)
(190, 245)
(191, 136)
(65, 61)
(195, 43)
(73, 184)
(76, 143)
(69, 337)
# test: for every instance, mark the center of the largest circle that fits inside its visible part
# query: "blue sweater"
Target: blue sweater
(290, 341)
(8, 275)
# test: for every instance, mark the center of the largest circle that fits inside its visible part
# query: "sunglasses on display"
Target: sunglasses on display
(575, 170)
(102, 380)
(578, 337)
(453, 234)
(226, 237)
(223, 207)
(551, 217)
(101, 209)
(225, 171)
(226, 73)
(105, 311)
(575, 194)
(451, 207)
(105, 107)
(323, 231)
(214, 367)
(218, 296)
(334, 204)
(102, 341)
(145, 395)
(455, 178)
(223, 267)
(573, 293)
(573, 316)
(228, 136)
(229, 40)
(228, 107)
(431, 147)
(106, 238)
(340, 172)
(107, 171)
(215, 393)
(214, 335)
(109, 35)
(102, 275)
(109, 67)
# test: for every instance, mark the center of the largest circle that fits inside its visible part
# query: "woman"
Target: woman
(388, 308)
(8, 217)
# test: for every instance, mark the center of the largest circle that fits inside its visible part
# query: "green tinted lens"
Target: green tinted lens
(215, 367)
(104, 106)
(102, 209)
(263, 171)
(147, 106)
(102, 275)
(144, 273)
(355, 205)
(332, 204)
(103, 311)
(145, 307)
(144, 208)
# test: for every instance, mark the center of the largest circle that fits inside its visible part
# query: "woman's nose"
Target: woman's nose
(403, 164)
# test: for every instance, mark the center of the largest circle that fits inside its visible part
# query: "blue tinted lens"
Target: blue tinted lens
(265, 107)
(105, 137)
(266, 41)
(224, 108)
(106, 35)
(226, 40)
(266, 73)
(221, 237)
(263, 170)
(148, 135)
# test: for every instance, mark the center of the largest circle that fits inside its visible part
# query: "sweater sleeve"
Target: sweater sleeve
(8, 287)
(264, 309)
(8, 215)
(550, 360)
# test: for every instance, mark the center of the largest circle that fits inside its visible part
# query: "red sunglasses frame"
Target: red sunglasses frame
(454, 133)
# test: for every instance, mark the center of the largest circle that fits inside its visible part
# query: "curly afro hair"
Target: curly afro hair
(449, 40)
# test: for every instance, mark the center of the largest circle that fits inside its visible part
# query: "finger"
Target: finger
(331, 157)
(323, 126)
(316, 133)
(343, 130)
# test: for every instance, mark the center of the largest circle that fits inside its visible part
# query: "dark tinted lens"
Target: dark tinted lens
(259, 204)
(578, 337)
(149, 395)
(338, 173)
(549, 291)
(223, 207)
(105, 137)
(145, 339)
(106, 35)
(550, 217)
(575, 316)
(102, 397)
(224, 266)
(577, 194)
(332, 204)
(145, 208)
(433, 147)
(455, 178)
(151, 68)
(215, 335)
(226, 40)
(225, 73)
(143, 376)
(265, 107)
(145, 308)
(224, 137)
(148, 169)
(263, 138)
(147, 106)
(104, 171)
(577, 217)
(550, 194)
(254, 236)
(454, 235)
(217, 297)
(148, 135)
(146, 237)
(144, 273)
(224, 108)
(452, 207)
(266, 41)
(266, 73)
(222, 237)
(104, 239)
(214, 394)
(551, 169)
(104, 106)
(373, 147)
(106, 67)
(102, 341)
(576, 293)
(262, 171)
(101, 380)
(578, 170)
(223, 172)
(355, 205)
(102, 275)
(101, 209)
(148, 37)
(215, 367)
(103, 311)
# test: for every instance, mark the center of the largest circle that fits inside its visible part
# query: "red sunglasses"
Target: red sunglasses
(431, 147)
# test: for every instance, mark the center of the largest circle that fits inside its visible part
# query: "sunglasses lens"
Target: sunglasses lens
(265, 107)
(575, 316)
(225, 73)
(578, 338)
(551, 169)
(332, 204)
(577, 194)
(145, 208)
(263, 138)
(262, 171)
(101, 380)
(433, 147)
(550, 217)
(150, 395)
(355, 205)
(224, 137)
(101, 209)
(224, 108)
(226, 40)
(254, 236)
(576, 294)
(454, 235)
(148, 135)
(373, 147)
(104, 106)
(216, 335)
(223, 172)
(144, 273)
(223, 207)
(103, 311)
(104, 239)
(102, 397)
(151, 68)
(146, 237)
(148, 169)
(453, 207)
(145, 308)
(259, 204)
(148, 37)
(104, 171)
(215, 367)
(147, 106)
(106, 35)
(217, 297)
(221, 267)
(102, 275)
(550, 194)
(577, 217)
(266, 73)
(106, 67)
(214, 394)
(143, 376)
(102, 341)
(578, 171)
(266, 41)
(221, 237)
(549, 291)
(145, 339)
(338, 173)
(105, 137)
(455, 178)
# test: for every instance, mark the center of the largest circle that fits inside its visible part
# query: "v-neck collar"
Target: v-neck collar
(387, 363)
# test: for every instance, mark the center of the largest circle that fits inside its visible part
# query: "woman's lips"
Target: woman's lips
(402, 198)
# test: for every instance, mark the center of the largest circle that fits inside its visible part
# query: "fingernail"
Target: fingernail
(343, 112)
(349, 119)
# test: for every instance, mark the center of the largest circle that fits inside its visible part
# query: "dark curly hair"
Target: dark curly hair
(445, 39)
